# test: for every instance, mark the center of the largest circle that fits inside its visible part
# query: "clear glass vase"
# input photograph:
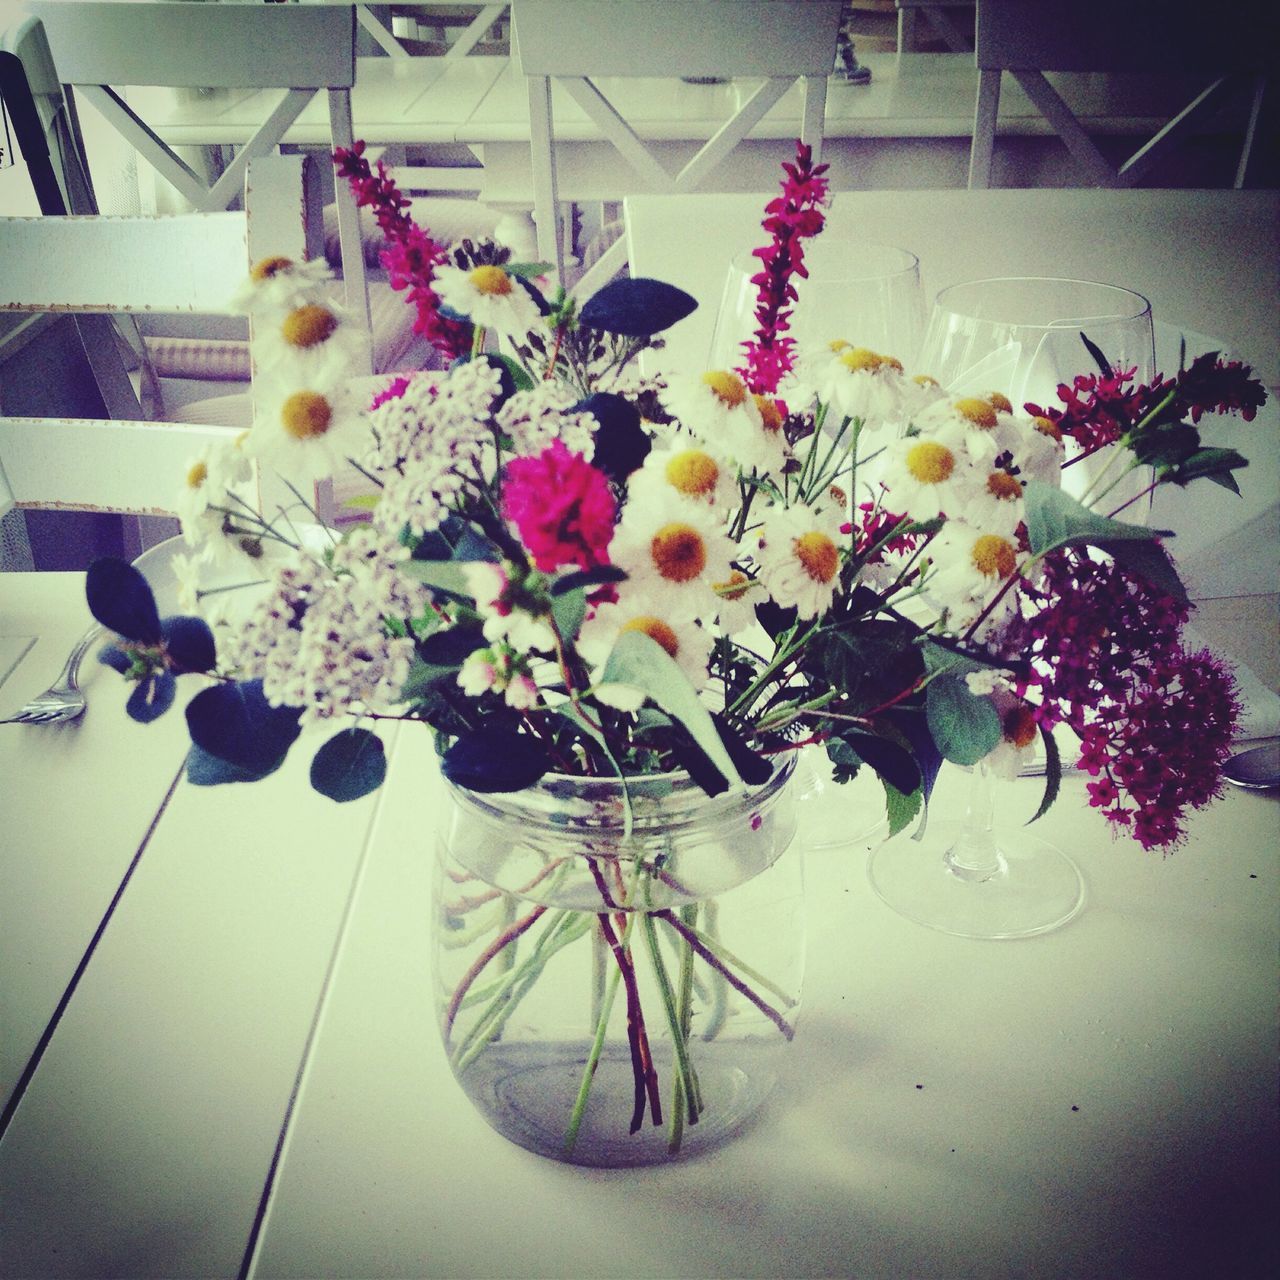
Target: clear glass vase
(615, 990)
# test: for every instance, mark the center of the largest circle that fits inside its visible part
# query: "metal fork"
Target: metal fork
(62, 700)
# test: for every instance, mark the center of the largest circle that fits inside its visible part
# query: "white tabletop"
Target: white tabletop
(239, 1072)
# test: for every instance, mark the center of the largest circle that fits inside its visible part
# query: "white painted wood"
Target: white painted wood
(585, 93)
(732, 132)
(200, 46)
(480, 26)
(185, 263)
(84, 465)
(546, 205)
(675, 38)
(384, 38)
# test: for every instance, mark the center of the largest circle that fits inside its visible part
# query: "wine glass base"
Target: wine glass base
(1035, 888)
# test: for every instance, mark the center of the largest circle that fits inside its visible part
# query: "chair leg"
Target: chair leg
(545, 200)
(984, 129)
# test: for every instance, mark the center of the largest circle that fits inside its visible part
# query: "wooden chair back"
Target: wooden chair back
(578, 42)
(1028, 38)
(102, 46)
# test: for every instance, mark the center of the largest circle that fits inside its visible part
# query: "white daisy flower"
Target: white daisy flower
(996, 503)
(687, 468)
(715, 406)
(1018, 734)
(918, 393)
(306, 434)
(800, 558)
(278, 283)
(929, 474)
(970, 564)
(212, 477)
(857, 382)
(673, 550)
(977, 416)
(312, 342)
(736, 599)
(682, 639)
(488, 297)
(1038, 450)
(757, 442)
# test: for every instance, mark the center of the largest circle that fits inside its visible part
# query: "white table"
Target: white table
(239, 1073)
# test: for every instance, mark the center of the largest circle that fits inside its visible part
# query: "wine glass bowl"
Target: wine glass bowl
(869, 295)
(1022, 335)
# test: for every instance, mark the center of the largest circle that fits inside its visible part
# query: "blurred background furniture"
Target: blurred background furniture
(1028, 38)
(949, 22)
(577, 42)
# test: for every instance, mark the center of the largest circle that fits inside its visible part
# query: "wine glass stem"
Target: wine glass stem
(973, 855)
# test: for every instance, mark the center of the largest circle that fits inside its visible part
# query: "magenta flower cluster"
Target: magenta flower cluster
(562, 507)
(1155, 720)
(790, 218)
(411, 255)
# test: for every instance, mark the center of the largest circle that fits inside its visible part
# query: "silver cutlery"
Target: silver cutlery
(63, 699)
(1257, 769)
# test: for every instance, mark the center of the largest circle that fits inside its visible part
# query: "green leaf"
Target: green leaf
(446, 575)
(519, 375)
(1211, 464)
(641, 662)
(350, 765)
(1104, 365)
(939, 659)
(965, 727)
(636, 308)
(495, 760)
(900, 809)
(1055, 519)
(362, 502)
(1166, 447)
(120, 598)
(528, 270)
(1052, 774)
(1150, 562)
(568, 609)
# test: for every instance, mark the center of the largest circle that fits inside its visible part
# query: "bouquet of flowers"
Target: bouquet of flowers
(563, 566)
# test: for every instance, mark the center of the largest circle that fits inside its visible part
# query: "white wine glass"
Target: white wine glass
(869, 295)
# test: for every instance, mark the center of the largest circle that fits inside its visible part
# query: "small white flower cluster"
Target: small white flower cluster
(536, 418)
(499, 669)
(319, 641)
(428, 441)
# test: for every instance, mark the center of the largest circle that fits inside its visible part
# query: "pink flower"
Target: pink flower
(562, 508)
(791, 218)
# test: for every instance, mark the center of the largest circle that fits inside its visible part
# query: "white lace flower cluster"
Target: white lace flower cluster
(536, 418)
(428, 442)
(320, 641)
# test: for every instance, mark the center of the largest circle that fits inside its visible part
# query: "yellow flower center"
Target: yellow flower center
(924, 380)
(838, 496)
(1019, 726)
(727, 387)
(238, 442)
(265, 268)
(837, 345)
(859, 359)
(770, 414)
(892, 362)
(994, 556)
(735, 587)
(818, 554)
(656, 630)
(930, 462)
(978, 412)
(678, 552)
(198, 474)
(493, 282)
(998, 400)
(308, 326)
(306, 414)
(693, 473)
(1000, 484)
(1047, 427)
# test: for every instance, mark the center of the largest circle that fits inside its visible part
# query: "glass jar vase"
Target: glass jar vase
(618, 970)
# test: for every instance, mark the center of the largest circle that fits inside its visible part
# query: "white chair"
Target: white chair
(100, 46)
(939, 16)
(1231, 46)
(576, 42)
